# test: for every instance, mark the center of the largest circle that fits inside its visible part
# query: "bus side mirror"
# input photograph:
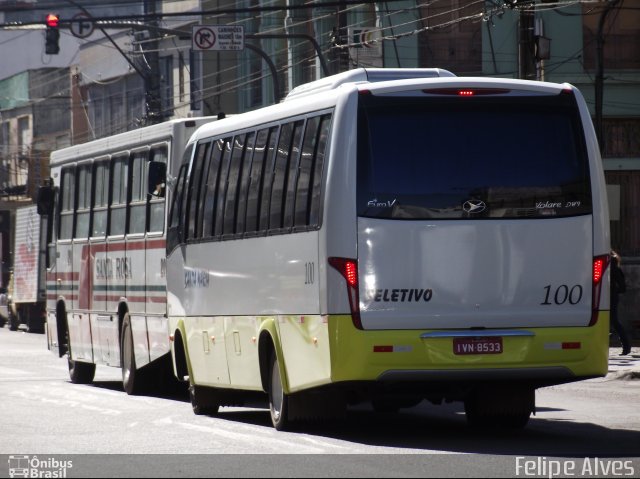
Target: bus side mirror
(157, 179)
(45, 200)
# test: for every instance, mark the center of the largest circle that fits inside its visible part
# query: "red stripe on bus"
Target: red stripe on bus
(124, 246)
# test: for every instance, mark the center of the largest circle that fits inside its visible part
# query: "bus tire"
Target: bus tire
(278, 400)
(81, 373)
(204, 401)
(509, 410)
(133, 380)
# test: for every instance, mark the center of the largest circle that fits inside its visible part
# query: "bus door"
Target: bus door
(132, 264)
(104, 323)
(77, 279)
(116, 244)
(155, 252)
(48, 201)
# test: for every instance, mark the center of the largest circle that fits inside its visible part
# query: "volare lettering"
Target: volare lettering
(548, 204)
(404, 295)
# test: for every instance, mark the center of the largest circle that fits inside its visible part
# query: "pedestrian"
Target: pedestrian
(618, 286)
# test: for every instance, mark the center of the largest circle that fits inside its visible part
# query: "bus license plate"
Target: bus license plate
(491, 345)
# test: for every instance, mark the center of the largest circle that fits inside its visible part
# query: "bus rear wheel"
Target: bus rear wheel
(134, 381)
(278, 400)
(509, 409)
(81, 373)
(204, 401)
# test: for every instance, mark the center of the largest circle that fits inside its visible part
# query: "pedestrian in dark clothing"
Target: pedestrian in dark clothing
(618, 286)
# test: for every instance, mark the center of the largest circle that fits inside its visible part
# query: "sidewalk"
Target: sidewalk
(624, 367)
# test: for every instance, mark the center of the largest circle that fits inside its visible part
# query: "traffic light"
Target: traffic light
(52, 35)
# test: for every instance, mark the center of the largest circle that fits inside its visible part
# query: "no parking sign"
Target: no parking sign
(217, 37)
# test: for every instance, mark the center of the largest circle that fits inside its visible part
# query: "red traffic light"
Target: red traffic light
(53, 20)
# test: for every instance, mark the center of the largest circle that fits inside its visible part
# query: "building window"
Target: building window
(166, 85)
(625, 222)
(621, 138)
(455, 44)
(621, 32)
(195, 70)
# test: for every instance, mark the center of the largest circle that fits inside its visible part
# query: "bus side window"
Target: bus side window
(210, 190)
(157, 201)
(221, 188)
(138, 202)
(174, 235)
(267, 179)
(280, 171)
(67, 202)
(292, 177)
(303, 187)
(231, 197)
(101, 199)
(318, 166)
(118, 217)
(255, 182)
(83, 211)
(195, 184)
(243, 185)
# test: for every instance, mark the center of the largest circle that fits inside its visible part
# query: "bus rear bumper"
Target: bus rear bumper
(542, 356)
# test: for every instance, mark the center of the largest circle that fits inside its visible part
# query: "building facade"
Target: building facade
(129, 74)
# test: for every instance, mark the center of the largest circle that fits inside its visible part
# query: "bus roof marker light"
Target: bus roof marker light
(466, 92)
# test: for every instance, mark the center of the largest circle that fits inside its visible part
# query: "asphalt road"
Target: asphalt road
(106, 433)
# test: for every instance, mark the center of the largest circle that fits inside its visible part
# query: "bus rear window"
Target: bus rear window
(455, 158)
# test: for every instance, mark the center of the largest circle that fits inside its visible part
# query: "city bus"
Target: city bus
(388, 236)
(104, 207)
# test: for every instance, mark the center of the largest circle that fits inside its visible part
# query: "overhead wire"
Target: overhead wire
(242, 81)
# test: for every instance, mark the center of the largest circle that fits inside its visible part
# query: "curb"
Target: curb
(629, 375)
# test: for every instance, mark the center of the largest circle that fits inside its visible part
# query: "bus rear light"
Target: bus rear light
(348, 268)
(466, 92)
(383, 349)
(600, 264)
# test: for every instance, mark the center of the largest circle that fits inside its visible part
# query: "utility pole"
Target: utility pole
(526, 57)
(599, 85)
(152, 76)
(339, 57)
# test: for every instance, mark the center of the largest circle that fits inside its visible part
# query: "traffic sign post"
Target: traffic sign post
(217, 38)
